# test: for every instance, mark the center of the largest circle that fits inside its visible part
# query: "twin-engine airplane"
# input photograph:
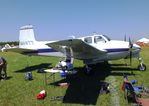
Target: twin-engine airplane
(90, 49)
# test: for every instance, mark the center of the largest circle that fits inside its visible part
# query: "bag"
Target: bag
(28, 76)
(62, 74)
(41, 95)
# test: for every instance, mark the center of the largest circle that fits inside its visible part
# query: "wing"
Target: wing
(81, 50)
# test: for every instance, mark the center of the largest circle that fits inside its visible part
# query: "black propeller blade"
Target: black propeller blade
(130, 50)
(125, 38)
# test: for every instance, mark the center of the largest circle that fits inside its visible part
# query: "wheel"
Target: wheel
(142, 67)
(87, 70)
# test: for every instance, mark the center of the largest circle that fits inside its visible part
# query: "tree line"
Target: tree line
(10, 43)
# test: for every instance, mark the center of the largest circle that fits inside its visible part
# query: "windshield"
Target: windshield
(88, 39)
(99, 39)
(107, 37)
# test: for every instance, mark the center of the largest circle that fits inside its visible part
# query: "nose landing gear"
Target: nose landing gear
(141, 66)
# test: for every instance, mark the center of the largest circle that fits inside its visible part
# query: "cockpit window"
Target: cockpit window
(88, 39)
(107, 37)
(98, 39)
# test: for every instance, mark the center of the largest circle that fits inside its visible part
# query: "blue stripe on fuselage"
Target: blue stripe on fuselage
(46, 50)
(40, 51)
(117, 50)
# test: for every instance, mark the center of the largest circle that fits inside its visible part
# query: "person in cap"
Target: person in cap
(3, 67)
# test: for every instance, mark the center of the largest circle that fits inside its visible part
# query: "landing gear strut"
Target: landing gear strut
(141, 66)
(87, 69)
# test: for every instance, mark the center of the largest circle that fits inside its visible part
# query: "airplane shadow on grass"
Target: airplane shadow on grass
(35, 67)
(85, 89)
(121, 69)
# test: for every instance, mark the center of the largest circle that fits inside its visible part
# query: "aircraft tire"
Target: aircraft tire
(142, 67)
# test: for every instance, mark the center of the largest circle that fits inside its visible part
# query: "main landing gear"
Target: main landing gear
(87, 69)
(141, 66)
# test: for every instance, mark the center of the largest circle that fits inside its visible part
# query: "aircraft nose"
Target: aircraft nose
(135, 46)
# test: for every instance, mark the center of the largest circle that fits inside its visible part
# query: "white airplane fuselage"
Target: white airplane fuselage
(40, 48)
(114, 50)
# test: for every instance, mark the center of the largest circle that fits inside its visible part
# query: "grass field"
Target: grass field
(83, 90)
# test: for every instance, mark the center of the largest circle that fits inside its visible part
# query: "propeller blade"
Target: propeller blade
(130, 50)
(125, 38)
(130, 57)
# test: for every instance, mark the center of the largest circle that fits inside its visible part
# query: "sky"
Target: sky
(58, 19)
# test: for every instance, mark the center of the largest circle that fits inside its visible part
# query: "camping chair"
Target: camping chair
(129, 87)
(137, 98)
(136, 89)
(132, 92)
(142, 101)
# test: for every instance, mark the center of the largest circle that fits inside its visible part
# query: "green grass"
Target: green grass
(83, 90)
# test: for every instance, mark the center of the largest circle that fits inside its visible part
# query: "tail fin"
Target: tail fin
(26, 38)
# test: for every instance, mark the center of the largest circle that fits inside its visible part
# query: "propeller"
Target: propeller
(125, 38)
(130, 50)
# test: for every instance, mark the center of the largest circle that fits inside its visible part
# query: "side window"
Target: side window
(99, 39)
(88, 40)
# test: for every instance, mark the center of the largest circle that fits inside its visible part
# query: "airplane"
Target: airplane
(5, 47)
(91, 49)
(98, 48)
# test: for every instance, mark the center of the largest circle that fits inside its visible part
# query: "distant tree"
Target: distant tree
(15, 43)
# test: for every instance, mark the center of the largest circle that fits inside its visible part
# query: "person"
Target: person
(3, 67)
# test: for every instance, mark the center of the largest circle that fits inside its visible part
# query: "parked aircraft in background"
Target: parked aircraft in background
(90, 49)
(5, 47)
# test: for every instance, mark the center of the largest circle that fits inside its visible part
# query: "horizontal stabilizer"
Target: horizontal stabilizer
(20, 50)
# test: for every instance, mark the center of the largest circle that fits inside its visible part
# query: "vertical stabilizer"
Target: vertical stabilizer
(26, 38)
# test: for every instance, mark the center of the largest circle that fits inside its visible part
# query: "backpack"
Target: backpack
(28, 76)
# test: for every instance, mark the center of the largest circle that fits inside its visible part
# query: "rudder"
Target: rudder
(26, 37)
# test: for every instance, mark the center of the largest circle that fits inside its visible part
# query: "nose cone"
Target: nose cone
(135, 46)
